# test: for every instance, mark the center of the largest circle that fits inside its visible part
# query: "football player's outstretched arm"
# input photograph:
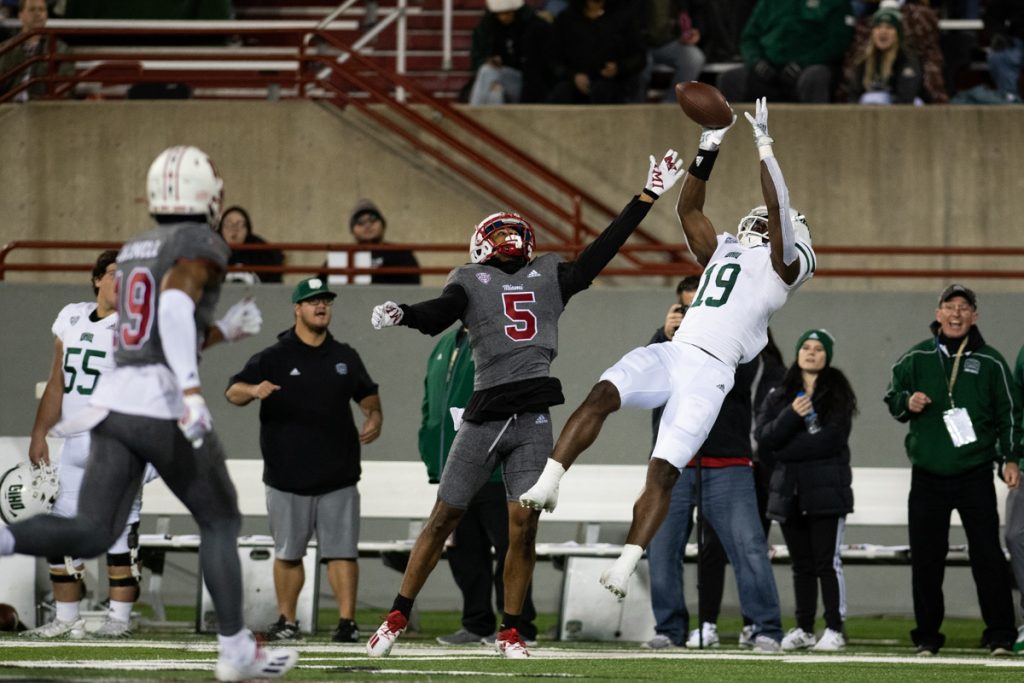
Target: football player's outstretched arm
(48, 412)
(782, 240)
(700, 233)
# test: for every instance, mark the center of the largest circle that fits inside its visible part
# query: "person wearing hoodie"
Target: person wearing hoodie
(311, 452)
(236, 229)
(507, 55)
(958, 396)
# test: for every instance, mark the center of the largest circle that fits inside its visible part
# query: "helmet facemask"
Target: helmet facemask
(519, 243)
(752, 230)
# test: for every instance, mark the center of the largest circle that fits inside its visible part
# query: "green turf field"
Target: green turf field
(879, 650)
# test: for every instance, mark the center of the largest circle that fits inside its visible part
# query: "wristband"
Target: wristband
(765, 151)
(650, 193)
(702, 164)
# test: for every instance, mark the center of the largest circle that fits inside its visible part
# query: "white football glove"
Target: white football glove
(386, 315)
(241, 320)
(196, 422)
(664, 173)
(711, 138)
(759, 122)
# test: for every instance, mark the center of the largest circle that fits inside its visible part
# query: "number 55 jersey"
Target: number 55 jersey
(142, 383)
(88, 352)
(737, 295)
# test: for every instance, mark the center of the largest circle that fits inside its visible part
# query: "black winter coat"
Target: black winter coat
(811, 473)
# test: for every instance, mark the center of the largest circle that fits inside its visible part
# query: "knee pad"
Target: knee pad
(128, 563)
(66, 569)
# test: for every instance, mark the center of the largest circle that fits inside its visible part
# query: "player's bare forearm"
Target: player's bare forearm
(699, 232)
(49, 411)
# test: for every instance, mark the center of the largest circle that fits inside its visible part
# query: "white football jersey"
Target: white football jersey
(88, 353)
(737, 295)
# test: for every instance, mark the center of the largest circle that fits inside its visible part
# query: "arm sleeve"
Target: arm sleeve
(575, 276)
(898, 392)
(782, 192)
(177, 312)
(436, 315)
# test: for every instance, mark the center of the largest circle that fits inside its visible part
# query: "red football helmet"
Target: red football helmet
(520, 243)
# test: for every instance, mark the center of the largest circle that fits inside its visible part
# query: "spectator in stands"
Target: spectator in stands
(791, 51)
(884, 72)
(920, 38)
(964, 411)
(476, 553)
(236, 228)
(508, 55)
(367, 225)
(724, 22)
(732, 523)
(310, 448)
(673, 31)
(550, 9)
(597, 52)
(33, 15)
(1004, 21)
(1014, 533)
(803, 430)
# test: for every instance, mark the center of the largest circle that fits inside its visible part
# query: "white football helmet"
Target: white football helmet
(182, 181)
(753, 228)
(482, 248)
(26, 491)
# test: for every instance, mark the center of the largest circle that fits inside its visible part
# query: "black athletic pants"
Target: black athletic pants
(813, 544)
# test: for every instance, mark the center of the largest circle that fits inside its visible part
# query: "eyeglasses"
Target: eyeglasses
(957, 308)
(326, 301)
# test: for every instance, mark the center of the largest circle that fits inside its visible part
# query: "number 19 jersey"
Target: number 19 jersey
(737, 295)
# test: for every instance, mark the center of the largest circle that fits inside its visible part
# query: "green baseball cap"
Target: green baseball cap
(311, 288)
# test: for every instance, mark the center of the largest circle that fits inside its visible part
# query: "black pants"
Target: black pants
(813, 544)
(476, 570)
(932, 500)
(713, 559)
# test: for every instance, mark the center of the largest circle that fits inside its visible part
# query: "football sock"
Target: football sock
(510, 621)
(122, 611)
(239, 648)
(67, 611)
(403, 605)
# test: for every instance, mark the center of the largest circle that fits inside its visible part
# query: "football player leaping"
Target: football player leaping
(511, 303)
(746, 279)
(150, 407)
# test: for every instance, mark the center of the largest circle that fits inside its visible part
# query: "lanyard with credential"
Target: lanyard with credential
(951, 382)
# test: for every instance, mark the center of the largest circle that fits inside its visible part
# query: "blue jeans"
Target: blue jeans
(1005, 66)
(730, 506)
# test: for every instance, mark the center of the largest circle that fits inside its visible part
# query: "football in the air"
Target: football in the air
(704, 104)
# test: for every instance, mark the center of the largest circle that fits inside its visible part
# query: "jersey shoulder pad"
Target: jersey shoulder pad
(70, 315)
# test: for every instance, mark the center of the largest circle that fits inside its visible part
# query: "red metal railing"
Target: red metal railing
(464, 146)
(459, 250)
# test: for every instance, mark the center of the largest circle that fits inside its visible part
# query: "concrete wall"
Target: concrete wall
(872, 330)
(896, 176)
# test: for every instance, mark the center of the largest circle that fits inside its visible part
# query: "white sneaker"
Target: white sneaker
(73, 630)
(763, 645)
(381, 642)
(710, 636)
(658, 642)
(797, 639)
(747, 636)
(511, 645)
(113, 628)
(831, 641)
(269, 662)
(540, 497)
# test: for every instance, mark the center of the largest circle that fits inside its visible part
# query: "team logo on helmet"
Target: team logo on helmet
(182, 181)
(752, 230)
(520, 242)
(26, 491)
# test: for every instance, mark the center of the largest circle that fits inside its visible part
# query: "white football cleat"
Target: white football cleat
(540, 497)
(511, 645)
(383, 640)
(113, 628)
(73, 630)
(269, 662)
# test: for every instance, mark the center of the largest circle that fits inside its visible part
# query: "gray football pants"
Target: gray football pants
(121, 446)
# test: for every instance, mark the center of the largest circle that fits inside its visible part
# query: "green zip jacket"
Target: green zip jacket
(984, 386)
(802, 31)
(449, 383)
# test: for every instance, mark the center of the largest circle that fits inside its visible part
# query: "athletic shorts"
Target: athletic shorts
(332, 516)
(689, 382)
(521, 444)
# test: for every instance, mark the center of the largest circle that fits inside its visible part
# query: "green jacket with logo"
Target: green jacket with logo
(984, 387)
(448, 384)
(802, 31)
